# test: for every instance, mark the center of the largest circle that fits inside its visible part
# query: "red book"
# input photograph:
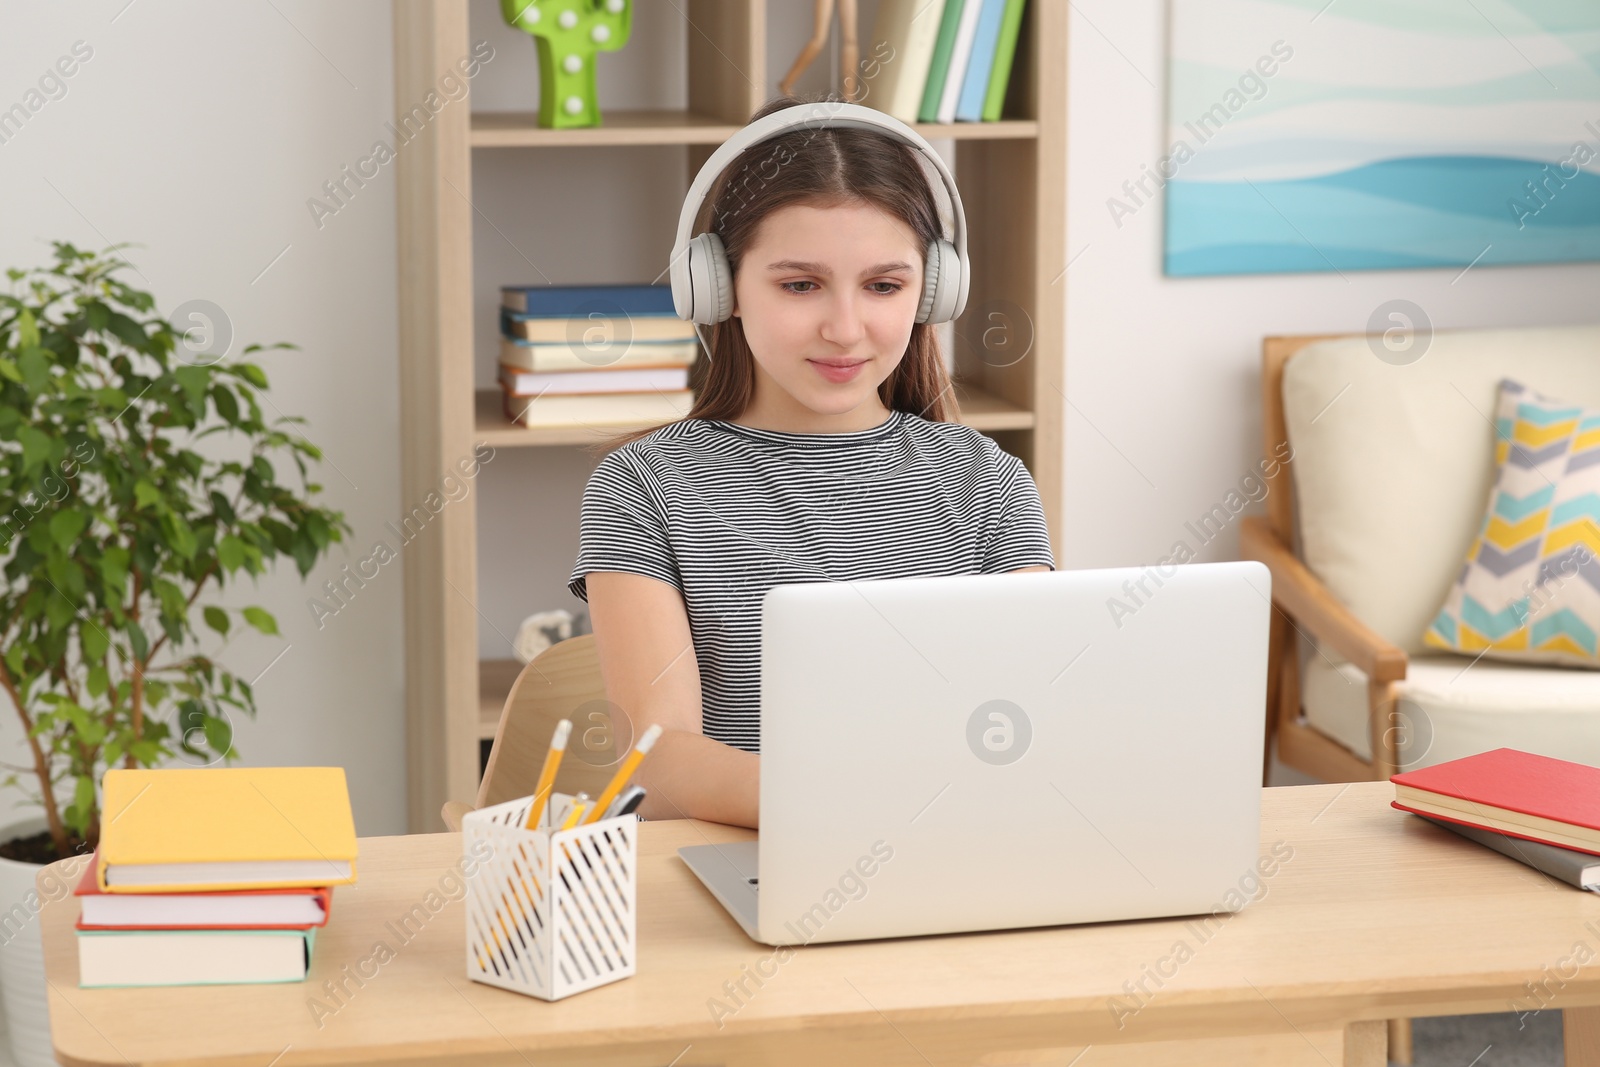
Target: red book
(1539, 798)
(230, 909)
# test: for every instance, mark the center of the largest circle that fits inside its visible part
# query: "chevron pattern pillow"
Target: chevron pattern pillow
(1530, 589)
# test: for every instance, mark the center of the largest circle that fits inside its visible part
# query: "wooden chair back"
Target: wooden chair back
(1275, 355)
(562, 682)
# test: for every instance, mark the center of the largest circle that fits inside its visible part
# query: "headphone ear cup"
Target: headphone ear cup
(941, 283)
(710, 279)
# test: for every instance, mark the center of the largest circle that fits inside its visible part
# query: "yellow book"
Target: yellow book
(173, 829)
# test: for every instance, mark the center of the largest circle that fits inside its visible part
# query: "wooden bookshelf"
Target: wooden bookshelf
(1012, 175)
(520, 129)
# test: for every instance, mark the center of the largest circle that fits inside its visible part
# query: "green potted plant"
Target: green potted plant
(117, 518)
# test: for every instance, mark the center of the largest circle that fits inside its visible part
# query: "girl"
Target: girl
(822, 446)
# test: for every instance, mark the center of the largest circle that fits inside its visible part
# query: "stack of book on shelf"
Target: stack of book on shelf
(213, 876)
(594, 355)
(1541, 811)
(941, 60)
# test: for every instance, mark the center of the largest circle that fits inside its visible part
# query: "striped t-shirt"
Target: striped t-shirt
(723, 512)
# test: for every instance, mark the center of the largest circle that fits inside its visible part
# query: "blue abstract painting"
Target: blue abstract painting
(1309, 135)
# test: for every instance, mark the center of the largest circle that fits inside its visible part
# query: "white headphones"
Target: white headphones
(702, 281)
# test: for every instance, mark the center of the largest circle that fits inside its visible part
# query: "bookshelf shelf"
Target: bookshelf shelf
(520, 129)
(1012, 175)
(979, 409)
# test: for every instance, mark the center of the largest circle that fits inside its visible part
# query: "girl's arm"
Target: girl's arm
(647, 660)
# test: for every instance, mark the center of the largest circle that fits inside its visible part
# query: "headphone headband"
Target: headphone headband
(831, 114)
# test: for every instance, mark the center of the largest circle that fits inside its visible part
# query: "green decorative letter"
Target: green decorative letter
(568, 34)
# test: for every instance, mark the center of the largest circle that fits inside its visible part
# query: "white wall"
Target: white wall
(1163, 375)
(199, 130)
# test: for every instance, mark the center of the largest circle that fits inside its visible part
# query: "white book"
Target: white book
(598, 331)
(903, 36)
(561, 356)
(641, 380)
(202, 909)
(192, 957)
(617, 410)
(960, 53)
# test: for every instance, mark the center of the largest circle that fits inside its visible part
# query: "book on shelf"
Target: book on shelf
(1509, 791)
(172, 829)
(1004, 56)
(225, 909)
(518, 383)
(1580, 869)
(907, 30)
(529, 356)
(192, 957)
(939, 61)
(617, 410)
(975, 82)
(598, 334)
(580, 301)
(960, 56)
(969, 60)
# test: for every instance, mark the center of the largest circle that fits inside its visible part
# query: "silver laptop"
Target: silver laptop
(986, 752)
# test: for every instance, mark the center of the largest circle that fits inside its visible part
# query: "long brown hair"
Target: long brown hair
(823, 167)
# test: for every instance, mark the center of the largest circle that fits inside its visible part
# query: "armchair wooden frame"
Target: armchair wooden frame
(1305, 606)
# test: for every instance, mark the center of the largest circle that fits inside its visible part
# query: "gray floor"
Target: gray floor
(1504, 1040)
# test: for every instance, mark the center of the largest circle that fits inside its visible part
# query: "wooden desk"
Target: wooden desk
(1373, 914)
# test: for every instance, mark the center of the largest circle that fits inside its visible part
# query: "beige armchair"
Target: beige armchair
(1368, 525)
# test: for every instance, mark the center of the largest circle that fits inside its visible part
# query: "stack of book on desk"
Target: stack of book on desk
(213, 876)
(1542, 811)
(590, 354)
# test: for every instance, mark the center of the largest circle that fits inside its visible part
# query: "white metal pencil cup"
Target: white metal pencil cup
(550, 912)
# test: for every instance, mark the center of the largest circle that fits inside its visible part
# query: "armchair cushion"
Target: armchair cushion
(1392, 463)
(1530, 588)
(1451, 707)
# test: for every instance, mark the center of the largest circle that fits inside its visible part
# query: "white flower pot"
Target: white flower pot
(22, 985)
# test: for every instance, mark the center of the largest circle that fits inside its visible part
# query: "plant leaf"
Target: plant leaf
(83, 793)
(27, 329)
(217, 619)
(35, 447)
(193, 380)
(227, 406)
(137, 638)
(230, 553)
(65, 526)
(219, 733)
(261, 619)
(95, 641)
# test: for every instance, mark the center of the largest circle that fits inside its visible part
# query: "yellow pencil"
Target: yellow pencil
(624, 772)
(572, 816)
(547, 774)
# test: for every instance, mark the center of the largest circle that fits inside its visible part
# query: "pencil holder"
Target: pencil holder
(550, 912)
